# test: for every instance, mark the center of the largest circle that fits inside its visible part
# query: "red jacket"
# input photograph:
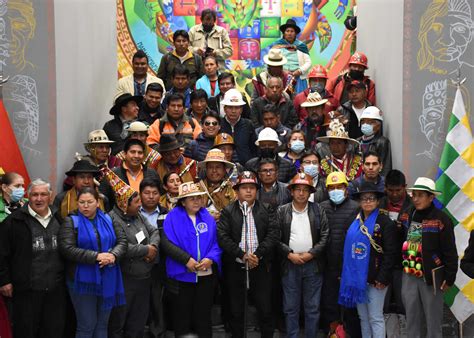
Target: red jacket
(337, 86)
(331, 105)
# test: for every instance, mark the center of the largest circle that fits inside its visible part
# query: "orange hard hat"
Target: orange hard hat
(318, 71)
(359, 58)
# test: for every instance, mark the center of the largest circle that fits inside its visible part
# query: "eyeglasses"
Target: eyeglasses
(211, 123)
(368, 199)
(267, 171)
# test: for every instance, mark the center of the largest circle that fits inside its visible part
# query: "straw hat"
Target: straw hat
(275, 58)
(215, 155)
(137, 126)
(189, 189)
(337, 131)
(425, 184)
(313, 100)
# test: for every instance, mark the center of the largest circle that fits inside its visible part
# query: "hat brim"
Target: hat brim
(223, 144)
(99, 142)
(286, 25)
(291, 185)
(202, 164)
(162, 149)
(356, 195)
(95, 173)
(326, 139)
(277, 141)
(234, 104)
(283, 61)
(197, 193)
(314, 104)
(116, 108)
(236, 186)
(423, 188)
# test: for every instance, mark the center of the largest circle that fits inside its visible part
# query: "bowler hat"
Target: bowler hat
(122, 100)
(83, 166)
(168, 143)
(290, 23)
(367, 187)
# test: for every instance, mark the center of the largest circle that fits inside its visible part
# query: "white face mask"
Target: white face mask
(297, 146)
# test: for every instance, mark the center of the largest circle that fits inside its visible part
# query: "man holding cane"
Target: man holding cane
(247, 243)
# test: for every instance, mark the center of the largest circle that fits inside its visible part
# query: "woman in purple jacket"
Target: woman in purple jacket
(193, 261)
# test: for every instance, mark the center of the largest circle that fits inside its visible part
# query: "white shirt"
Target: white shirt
(358, 111)
(44, 221)
(301, 239)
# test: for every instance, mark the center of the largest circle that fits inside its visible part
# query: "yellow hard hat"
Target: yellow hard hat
(336, 177)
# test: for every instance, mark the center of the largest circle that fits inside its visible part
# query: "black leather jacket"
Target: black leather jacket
(73, 254)
(229, 232)
(319, 233)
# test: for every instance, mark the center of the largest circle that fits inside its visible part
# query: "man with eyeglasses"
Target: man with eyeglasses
(304, 235)
(271, 191)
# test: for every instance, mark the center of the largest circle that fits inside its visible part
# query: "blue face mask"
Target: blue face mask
(17, 194)
(311, 170)
(367, 129)
(297, 146)
(337, 196)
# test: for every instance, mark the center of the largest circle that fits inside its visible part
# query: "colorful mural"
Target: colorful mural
(253, 27)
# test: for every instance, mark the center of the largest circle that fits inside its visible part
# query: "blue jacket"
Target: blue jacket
(198, 148)
(205, 84)
(199, 242)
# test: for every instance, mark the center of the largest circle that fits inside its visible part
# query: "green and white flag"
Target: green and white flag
(456, 180)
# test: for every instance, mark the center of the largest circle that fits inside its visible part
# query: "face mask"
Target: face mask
(207, 28)
(356, 74)
(297, 146)
(267, 153)
(317, 119)
(337, 196)
(17, 194)
(367, 129)
(318, 87)
(311, 170)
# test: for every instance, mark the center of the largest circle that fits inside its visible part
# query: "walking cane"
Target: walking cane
(247, 279)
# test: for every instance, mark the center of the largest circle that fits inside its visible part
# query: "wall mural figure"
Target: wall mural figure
(446, 32)
(432, 117)
(17, 29)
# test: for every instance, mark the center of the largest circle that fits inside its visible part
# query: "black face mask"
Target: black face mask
(267, 153)
(207, 28)
(317, 119)
(356, 74)
(319, 88)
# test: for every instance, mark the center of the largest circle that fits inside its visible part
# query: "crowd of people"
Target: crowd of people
(196, 195)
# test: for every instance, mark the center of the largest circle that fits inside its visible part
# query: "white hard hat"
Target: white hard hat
(137, 126)
(372, 112)
(233, 98)
(268, 134)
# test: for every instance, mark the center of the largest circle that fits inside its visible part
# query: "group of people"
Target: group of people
(193, 195)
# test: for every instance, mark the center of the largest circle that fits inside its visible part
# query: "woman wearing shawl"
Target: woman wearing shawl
(193, 261)
(92, 245)
(369, 256)
(297, 53)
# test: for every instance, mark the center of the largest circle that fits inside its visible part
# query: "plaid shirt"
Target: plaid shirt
(249, 232)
